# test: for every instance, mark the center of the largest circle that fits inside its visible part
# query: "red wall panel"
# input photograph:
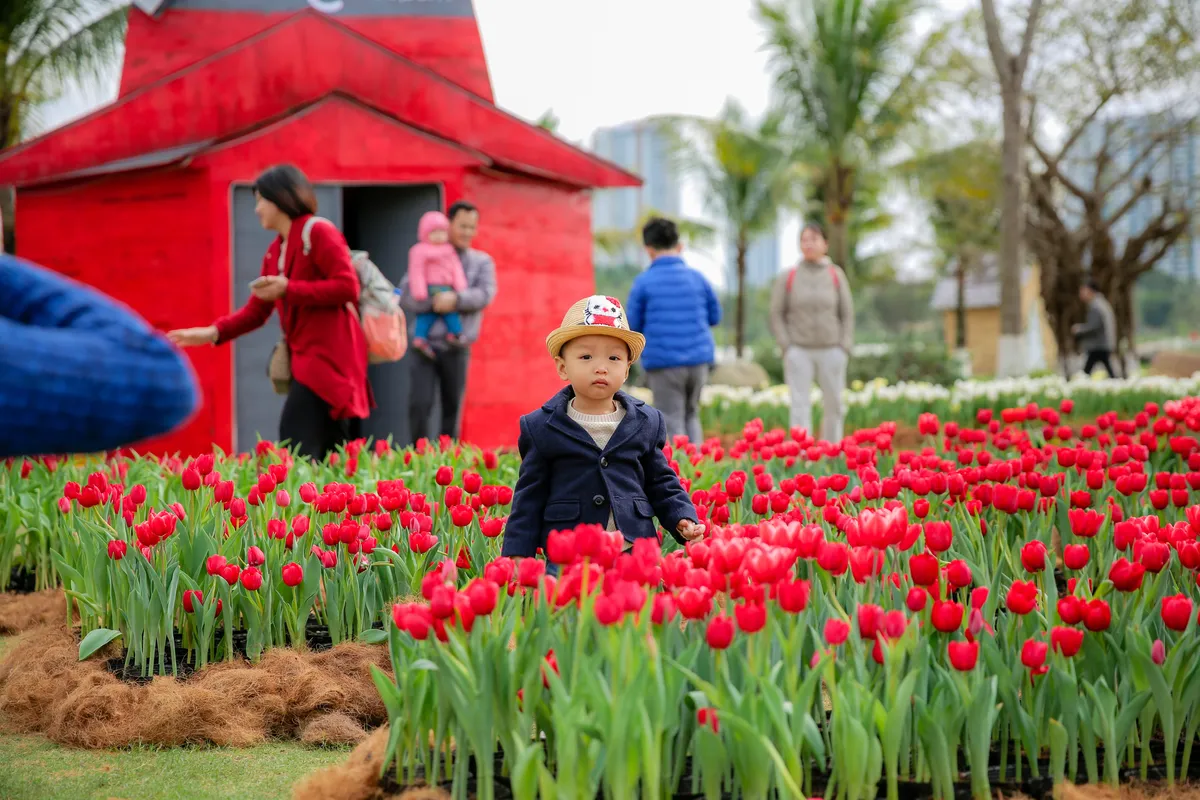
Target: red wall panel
(143, 239)
(156, 47)
(539, 278)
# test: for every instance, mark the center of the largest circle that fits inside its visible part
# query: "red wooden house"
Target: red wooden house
(387, 106)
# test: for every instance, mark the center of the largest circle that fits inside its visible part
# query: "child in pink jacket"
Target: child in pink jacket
(434, 267)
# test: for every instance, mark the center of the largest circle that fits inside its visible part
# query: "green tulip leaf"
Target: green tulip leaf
(95, 640)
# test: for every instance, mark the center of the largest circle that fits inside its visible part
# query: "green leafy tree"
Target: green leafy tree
(834, 65)
(45, 45)
(748, 174)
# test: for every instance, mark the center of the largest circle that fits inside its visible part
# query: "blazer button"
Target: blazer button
(603, 461)
(598, 499)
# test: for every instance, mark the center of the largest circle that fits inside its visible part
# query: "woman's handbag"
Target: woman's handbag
(279, 367)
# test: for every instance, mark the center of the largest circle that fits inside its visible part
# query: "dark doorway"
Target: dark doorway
(257, 407)
(383, 221)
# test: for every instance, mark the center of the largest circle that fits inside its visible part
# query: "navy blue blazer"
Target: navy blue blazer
(566, 480)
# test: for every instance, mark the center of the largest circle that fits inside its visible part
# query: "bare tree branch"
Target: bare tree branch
(1035, 10)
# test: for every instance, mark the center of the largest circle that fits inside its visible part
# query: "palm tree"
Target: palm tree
(44, 46)
(748, 175)
(833, 68)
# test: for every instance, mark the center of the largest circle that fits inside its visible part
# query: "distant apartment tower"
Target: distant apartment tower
(1179, 170)
(762, 262)
(642, 148)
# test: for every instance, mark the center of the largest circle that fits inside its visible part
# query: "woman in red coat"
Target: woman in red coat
(316, 294)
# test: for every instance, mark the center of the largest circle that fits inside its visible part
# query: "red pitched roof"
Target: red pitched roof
(195, 105)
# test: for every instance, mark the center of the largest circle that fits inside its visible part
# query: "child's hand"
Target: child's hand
(690, 530)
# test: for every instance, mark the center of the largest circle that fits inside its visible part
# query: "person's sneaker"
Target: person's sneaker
(422, 347)
(453, 340)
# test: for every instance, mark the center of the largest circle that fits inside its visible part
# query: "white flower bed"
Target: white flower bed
(969, 392)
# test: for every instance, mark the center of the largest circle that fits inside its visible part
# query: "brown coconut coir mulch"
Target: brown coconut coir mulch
(20, 612)
(318, 698)
(357, 778)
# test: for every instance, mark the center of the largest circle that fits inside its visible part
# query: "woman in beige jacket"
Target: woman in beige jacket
(812, 319)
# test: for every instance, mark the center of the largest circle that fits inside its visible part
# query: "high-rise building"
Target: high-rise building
(1176, 174)
(642, 148)
(762, 262)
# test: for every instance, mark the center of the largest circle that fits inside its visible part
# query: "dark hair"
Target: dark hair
(461, 207)
(289, 189)
(660, 234)
(1090, 283)
(814, 227)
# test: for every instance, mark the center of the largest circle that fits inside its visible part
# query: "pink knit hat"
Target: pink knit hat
(432, 221)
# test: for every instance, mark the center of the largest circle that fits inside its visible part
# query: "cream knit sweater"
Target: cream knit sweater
(601, 428)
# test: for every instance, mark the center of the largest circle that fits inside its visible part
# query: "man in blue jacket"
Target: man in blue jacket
(78, 372)
(675, 308)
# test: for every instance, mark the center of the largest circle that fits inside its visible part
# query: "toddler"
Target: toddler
(593, 454)
(433, 268)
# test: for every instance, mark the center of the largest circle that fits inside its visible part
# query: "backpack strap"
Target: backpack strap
(791, 278)
(306, 233)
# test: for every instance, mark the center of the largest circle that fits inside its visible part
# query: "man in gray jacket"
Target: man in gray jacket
(447, 374)
(1097, 337)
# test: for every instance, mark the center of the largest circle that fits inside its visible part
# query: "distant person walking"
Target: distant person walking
(675, 308)
(1097, 336)
(446, 372)
(812, 319)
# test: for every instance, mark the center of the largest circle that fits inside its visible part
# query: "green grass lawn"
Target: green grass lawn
(33, 768)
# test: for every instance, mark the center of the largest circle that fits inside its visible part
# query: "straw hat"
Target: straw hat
(596, 316)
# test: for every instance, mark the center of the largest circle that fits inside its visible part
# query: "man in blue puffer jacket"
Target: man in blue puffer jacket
(675, 308)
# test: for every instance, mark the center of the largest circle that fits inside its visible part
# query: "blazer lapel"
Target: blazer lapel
(563, 423)
(631, 426)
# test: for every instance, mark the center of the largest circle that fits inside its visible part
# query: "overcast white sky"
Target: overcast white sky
(599, 63)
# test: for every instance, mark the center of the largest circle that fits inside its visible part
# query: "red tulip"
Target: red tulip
(924, 569)
(836, 631)
(117, 549)
(938, 536)
(834, 558)
(1066, 640)
(1075, 556)
(1158, 652)
(444, 476)
(293, 574)
(215, 564)
(192, 598)
(252, 579)
(191, 479)
(255, 557)
(1022, 597)
(958, 574)
(917, 597)
(1033, 556)
(230, 573)
(719, 633)
(707, 718)
(608, 611)
(1126, 576)
(1176, 611)
(963, 655)
(530, 572)
(1033, 653)
(870, 618)
(947, 615)
(792, 596)
(751, 617)
(461, 516)
(1071, 609)
(1097, 616)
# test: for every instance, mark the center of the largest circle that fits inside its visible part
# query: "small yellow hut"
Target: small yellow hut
(982, 301)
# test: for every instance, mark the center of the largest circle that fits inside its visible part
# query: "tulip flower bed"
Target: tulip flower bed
(1016, 601)
(723, 408)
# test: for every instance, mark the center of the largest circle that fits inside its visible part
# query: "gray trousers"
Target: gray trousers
(677, 395)
(828, 366)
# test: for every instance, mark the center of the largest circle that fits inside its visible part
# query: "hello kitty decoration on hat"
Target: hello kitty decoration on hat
(598, 315)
